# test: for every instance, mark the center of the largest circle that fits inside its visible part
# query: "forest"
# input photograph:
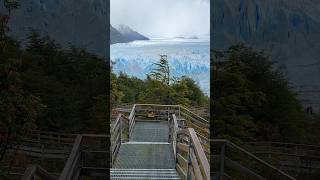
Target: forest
(254, 101)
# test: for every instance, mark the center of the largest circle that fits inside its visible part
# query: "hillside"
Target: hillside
(116, 36)
(130, 34)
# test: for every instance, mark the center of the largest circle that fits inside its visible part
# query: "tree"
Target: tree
(18, 110)
(162, 71)
(255, 101)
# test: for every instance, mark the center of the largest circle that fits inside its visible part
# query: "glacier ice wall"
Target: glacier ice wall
(189, 57)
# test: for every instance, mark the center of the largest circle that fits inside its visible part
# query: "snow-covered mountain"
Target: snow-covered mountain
(130, 34)
(287, 30)
(124, 34)
(116, 36)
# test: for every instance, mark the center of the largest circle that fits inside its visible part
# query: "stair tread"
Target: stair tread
(145, 156)
(152, 174)
(150, 132)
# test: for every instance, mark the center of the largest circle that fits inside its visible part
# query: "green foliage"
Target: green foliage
(162, 72)
(159, 88)
(19, 110)
(99, 116)
(253, 101)
(70, 84)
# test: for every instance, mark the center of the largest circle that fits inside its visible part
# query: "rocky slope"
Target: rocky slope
(124, 34)
(116, 36)
(130, 34)
(287, 30)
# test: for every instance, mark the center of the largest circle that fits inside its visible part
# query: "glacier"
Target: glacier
(186, 57)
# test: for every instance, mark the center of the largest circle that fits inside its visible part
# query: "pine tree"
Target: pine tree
(162, 71)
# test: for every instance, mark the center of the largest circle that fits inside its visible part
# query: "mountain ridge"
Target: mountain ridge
(124, 34)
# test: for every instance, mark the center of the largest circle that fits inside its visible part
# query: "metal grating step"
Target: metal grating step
(144, 174)
(145, 156)
(150, 131)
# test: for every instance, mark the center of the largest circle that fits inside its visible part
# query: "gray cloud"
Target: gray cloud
(163, 18)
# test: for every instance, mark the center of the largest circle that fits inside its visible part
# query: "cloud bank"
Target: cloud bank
(163, 18)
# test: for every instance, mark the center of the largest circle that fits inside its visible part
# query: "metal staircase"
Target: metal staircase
(147, 155)
(119, 174)
(158, 147)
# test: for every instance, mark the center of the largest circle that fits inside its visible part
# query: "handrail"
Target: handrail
(34, 171)
(189, 149)
(132, 120)
(192, 120)
(75, 163)
(284, 144)
(293, 157)
(178, 106)
(226, 143)
(117, 135)
(174, 130)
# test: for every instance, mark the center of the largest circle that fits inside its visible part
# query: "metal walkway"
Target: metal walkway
(153, 143)
(147, 155)
(150, 131)
(141, 174)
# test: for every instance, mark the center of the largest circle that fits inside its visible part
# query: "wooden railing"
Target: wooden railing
(43, 144)
(89, 157)
(192, 162)
(232, 161)
(132, 119)
(174, 127)
(36, 172)
(290, 157)
(119, 133)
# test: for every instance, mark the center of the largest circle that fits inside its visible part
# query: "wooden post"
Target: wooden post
(223, 150)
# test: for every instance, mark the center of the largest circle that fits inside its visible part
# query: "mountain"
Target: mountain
(124, 34)
(287, 30)
(130, 34)
(79, 22)
(116, 36)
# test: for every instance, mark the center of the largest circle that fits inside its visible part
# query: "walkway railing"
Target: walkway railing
(36, 172)
(184, 116)
(43, 144)
(231, 161)
(192, 162)
(290, 157)
(174, 127)
(89, 157)
(119, 133)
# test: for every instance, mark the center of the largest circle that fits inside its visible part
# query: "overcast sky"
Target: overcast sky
(163, 18)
